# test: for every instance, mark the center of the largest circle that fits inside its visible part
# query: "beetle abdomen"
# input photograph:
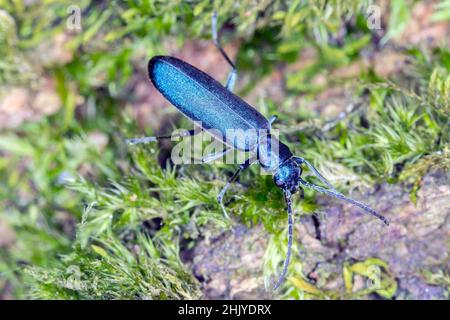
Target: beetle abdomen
(203, 99)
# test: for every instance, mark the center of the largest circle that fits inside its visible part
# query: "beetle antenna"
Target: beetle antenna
(342, 197)
(287, 197)
(300, 161)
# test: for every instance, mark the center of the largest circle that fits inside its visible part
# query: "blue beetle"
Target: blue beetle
(203, 99)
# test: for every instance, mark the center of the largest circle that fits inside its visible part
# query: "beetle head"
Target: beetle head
(287, 176)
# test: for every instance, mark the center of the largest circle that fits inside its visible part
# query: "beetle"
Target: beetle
(203, 99)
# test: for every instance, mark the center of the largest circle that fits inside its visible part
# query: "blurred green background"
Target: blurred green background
(362, 89)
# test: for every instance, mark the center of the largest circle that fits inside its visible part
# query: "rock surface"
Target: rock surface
(417, 242)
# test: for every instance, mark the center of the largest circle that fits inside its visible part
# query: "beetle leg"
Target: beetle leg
(302, 193)
(287, 259)
(214, 156)
(273, 119)
(233, 74)
(233, 178)
(134, 141)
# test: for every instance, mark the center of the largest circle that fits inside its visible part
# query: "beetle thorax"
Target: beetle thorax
(272, 153)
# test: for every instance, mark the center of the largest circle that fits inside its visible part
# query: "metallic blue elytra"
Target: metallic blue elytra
(203, 99)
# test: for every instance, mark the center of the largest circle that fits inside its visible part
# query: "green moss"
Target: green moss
(92, 221)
